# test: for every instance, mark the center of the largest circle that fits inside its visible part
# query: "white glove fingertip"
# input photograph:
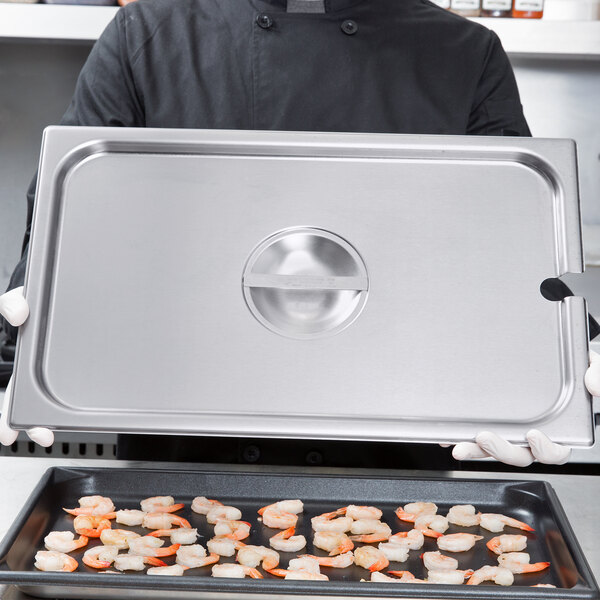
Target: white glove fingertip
(14, 307)
(42, 436)
(545, 450)
(7, 436)
(468, 451)
(504, 451)
(592, 376)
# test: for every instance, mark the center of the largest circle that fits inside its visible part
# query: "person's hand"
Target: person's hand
(541, 448)
(14, 308)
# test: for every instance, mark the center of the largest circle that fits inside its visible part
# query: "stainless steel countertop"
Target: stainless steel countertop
(578, 493)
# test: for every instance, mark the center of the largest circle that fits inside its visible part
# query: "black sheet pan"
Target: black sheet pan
(531, 501)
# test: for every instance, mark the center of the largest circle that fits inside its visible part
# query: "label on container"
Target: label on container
(442, 3)
(496, 4)
(529, 5)
(465, 4)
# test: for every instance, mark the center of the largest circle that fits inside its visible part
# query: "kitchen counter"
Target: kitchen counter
(577, 493)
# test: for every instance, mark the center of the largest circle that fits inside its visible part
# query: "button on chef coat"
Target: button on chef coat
(404, 66)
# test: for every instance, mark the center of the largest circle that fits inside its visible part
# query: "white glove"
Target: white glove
(541, 448)
(14, 308)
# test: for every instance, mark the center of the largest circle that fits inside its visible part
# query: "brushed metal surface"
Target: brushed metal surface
(139, 323)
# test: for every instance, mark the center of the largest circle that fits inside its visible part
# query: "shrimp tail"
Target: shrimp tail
(70, 564)
(253, 573)
(95, 564)
(494, 545)
(181, 521)
(406, 574)
(77, 511)
(155, 562)
(369, 538)
(168, 509)
(431, 533)
(404, 516)
(278, 572)
(161, 532)
(533, 568)
(382, 563)
(260, 511)
(81, 542)
(168, 551)
(344, 546)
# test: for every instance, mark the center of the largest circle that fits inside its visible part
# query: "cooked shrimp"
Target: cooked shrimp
(295, 507)
(182, 535)
(130, 517)
(332, 521)
(195, 556)
(436, 561)
(252, 556)
(231, 513)
(341, 561)
(413, 539)
(171, 571)
(518, 562)
(96, 506)
(507, 543)
(370, 531)
(498, 575)
(161, 520)
(235, 570)
(133, 562)
(394, 552)
(431, 525)
(334, 543)
(495, 523)
(413, 509)
(547, 585)
(150, 546)
(370, 558)
(362, 512)
(100, 557)
(236, 530)
(119, 538)
(463, 515)
(64, 541)
(278, 519)
(304, 563)
(50, 560)
(90, 526)
(452, 577)
(202, 505)
(458, 542)
(223, 546)
(286, 541)
(160, 504)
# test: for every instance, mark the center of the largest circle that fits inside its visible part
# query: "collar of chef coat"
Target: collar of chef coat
(330, 5)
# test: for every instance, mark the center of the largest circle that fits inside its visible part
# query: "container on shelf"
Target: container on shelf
(528, 9)
(466, 8)
(496, 8)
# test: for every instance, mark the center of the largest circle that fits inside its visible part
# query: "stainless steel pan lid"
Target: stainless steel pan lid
(340, 286)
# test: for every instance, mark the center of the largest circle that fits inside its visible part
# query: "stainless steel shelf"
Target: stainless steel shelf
(541, 38)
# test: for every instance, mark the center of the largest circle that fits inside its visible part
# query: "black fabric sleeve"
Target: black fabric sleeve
(496, 108)
(105, 95)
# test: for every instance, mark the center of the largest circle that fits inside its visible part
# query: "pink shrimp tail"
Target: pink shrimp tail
(533, 568)
(168, 551)
(161, 532)
(404, 516)
(431, 533)
(169, 509)
(278, 572)
(155, 562)
(382, 563)
(402, 574)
